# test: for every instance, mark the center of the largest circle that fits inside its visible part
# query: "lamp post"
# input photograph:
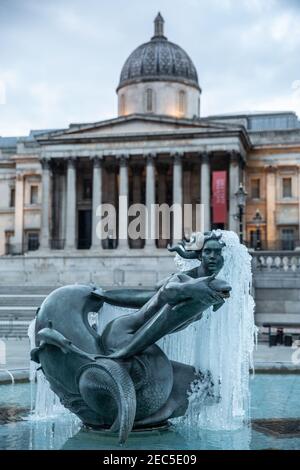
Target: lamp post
(257, 219)
(241, 202)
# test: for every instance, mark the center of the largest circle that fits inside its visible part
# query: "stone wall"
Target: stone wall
(276, 278)
(165, 99)
(138, 269)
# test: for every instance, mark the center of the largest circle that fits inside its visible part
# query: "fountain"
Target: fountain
(179, 353)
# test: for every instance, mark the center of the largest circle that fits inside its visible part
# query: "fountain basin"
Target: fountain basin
(275, 397)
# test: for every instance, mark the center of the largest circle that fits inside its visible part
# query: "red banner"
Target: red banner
(219, 197)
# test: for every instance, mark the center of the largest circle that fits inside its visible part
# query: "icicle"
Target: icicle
(44, 402)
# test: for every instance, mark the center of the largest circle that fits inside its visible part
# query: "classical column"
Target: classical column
(46, 198)
(150, 202)
(137, 199)
(177, 197)
(123, 202)
(271, 205)
(71, 204)
(19, 214)
(205, 190)
(234, 183)
(187, 200)
(97, 200)
(163, 228)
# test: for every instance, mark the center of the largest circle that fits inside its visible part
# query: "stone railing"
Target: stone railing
(277, 261)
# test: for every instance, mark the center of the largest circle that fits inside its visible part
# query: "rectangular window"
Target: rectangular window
(34, 192)
(149, 100)
(286, 187)
(33, 241)
(253, 238)
(255, 188)
(122, 105)
(182, 102)
(12, 197)
(287, 239)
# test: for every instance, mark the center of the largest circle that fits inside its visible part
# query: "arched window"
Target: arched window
(149, 100)
(182, 102)
(198, 107)
(122, 105)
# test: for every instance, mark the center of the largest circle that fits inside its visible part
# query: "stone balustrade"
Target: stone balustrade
(277, 261)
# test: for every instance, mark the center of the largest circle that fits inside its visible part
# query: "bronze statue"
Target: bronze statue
(121, 380)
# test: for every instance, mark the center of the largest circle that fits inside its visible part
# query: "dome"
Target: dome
(159, 60)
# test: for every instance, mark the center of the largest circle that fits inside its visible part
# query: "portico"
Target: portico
(84, 167)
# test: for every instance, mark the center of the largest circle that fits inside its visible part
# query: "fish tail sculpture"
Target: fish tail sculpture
(109, 377)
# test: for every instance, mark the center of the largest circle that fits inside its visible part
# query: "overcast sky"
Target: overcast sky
(60, 60)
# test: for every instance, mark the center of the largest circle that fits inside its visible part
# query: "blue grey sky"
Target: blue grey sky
(60, 60)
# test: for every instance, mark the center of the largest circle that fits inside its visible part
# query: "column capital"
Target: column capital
(71, 162)
(19, 176)
(97, 160)
(234, 156)
(205, 158)
(123, 158)
(177, 156)
(150, 155)
(45, 162)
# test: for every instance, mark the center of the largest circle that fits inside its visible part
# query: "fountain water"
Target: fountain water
(44, 402)
(221, 342)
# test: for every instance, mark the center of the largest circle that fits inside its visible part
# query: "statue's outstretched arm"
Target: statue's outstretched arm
(130, 298)
(172, 308)
(135, 298)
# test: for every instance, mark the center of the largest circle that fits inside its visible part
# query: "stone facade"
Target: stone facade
(51, 182)
(167, 98)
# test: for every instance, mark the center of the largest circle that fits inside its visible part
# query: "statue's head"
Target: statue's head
(211, 255)
(206, 247)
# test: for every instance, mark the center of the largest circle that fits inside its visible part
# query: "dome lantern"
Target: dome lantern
(159, 27)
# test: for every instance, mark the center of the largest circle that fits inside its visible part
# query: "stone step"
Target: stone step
(13, 313)
(22, 290)
(261, 318)
(270, 294)
(14, 330)
(24, 300)
(278, 306)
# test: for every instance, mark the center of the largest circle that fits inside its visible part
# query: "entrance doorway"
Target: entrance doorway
(84, 229)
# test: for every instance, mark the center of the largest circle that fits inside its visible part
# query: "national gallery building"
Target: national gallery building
(158, 150)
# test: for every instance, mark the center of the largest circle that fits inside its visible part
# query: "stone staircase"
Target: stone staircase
(18, 305)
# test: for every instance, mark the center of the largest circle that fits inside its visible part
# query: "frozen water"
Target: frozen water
(222, 343)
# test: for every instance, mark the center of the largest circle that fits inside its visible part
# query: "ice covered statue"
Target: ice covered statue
(181, 350)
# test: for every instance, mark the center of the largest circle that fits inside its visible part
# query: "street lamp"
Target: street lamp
(257, 219)
(241, 202)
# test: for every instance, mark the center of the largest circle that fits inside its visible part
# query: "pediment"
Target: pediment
(132, 125)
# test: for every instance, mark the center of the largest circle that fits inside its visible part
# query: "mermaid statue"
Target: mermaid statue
(124, 378)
